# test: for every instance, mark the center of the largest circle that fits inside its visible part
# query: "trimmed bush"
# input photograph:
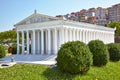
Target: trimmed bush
(74, 57)
(99, 51)
(114, 51)
(2, 51)
(14, 49)
(10, 49)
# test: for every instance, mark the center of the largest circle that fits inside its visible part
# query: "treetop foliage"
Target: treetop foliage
(8, 35)
(113, 25)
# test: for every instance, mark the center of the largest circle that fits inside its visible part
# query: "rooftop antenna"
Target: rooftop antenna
(35, 11)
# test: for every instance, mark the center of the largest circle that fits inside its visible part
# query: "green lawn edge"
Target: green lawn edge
(39, 72)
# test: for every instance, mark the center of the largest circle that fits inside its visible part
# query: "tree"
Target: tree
(6, 35)
(79, 18)
(113, 25)
(2, 51)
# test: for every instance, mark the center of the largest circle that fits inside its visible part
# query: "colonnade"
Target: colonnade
(48, 41)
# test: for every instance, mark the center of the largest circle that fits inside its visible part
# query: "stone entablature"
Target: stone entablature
(64, 22)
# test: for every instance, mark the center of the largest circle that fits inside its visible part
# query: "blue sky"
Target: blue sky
(13, 11)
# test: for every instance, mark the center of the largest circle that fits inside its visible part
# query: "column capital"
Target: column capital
(33, 30)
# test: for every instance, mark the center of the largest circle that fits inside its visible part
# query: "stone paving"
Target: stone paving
(34, 59)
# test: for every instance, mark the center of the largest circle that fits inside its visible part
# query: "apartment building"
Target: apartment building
(114, 13)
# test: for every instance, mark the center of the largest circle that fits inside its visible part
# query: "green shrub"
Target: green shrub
(2, 51)
(14, 49)
(99, 51)
(10, 49)
(114, 51)
(74, 57)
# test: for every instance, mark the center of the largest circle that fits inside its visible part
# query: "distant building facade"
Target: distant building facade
(114, 13)
(99, 16)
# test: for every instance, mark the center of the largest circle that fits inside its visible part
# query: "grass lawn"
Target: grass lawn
(38, 72)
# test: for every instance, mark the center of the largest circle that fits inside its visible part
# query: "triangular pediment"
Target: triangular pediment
(36, 18)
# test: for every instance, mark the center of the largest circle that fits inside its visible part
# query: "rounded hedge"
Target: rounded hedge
(2, 51)
(74, 57)
(99, 51)
(14, 49)
(114, 51)
(10, 49)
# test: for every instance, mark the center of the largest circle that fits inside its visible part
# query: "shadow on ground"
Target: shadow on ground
(55, 74)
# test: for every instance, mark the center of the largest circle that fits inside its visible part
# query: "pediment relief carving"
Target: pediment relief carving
(36, 18)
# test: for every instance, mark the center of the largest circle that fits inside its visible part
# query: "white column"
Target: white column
(103, 38)
(108, 38)
(59, 39)
(70, 34)
(66, 36)
(83, 36)
(99, 35)
(27, 42)
(78, 34)
(42, 42)
(90, 35)
(55, 41)
(46, 41)
(31, 51)
(113, 37)
(93, 35)
(38, 42)
(85, 32)
(62, 36)
(33, 42)
(86, 37)
(49, 41)
(18, 48)
(73, 34)
(23, 42)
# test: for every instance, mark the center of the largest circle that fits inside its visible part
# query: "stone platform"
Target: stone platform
(34, 59)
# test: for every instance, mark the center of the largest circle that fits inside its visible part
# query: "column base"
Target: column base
(42, 52)
(49, 52)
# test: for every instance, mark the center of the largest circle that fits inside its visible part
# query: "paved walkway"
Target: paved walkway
(34, 59)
